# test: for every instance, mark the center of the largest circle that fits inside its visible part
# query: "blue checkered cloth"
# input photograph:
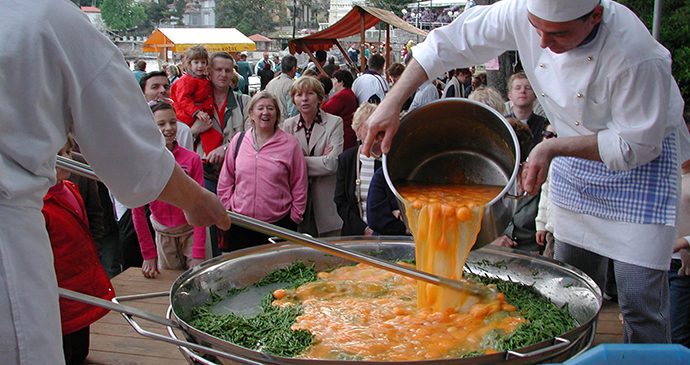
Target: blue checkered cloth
(644, 195)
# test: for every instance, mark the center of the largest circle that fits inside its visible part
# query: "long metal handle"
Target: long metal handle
(124, 309)
(271, 229)
(558, 343)
(76, 167)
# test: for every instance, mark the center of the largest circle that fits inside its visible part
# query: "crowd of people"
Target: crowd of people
(302, 156)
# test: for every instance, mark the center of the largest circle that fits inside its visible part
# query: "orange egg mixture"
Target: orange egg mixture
(445, 221)
(365, 313)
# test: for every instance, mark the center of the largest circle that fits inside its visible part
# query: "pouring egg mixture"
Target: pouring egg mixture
(365, 313)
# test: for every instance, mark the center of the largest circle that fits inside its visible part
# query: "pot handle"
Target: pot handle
(559, 343)
(517, 197)
(173, 339)
(117, 307)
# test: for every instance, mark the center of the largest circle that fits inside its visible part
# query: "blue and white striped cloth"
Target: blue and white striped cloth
(644, 195)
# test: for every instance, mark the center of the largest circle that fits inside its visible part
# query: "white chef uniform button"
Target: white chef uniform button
(579, 95)
(542, 94)
(589, 58)
(541, 65)
(577, 123)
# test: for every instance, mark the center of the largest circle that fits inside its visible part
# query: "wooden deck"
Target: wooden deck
(113, 341)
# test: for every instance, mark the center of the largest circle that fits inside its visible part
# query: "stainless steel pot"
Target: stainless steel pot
(453, 141)
(559, 282)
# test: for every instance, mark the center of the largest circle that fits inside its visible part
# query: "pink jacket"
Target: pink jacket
(265, 184)
(169, 215)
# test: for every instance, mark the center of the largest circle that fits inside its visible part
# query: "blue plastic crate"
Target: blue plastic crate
(633, 354)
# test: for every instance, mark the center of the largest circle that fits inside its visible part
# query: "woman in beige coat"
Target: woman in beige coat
(320, 135)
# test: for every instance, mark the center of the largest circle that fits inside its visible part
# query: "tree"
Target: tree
(674, 34)
(122, 14)
(248, 16)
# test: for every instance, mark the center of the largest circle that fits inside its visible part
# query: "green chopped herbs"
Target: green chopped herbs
(546, 320)
(269, 331)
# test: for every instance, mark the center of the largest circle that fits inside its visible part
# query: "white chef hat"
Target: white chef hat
(560, 10)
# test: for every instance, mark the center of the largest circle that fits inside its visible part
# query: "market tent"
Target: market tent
(357, 21)
(214, 39)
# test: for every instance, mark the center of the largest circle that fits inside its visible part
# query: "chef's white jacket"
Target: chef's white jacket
(619, 87)
(58, 73)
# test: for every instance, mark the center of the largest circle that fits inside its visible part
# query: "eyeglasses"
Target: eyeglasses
(549, 134)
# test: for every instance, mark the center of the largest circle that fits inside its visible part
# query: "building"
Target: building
(94, 15)
(200, 14)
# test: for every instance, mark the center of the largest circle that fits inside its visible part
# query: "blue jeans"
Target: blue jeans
(213, 230)
(679, 287)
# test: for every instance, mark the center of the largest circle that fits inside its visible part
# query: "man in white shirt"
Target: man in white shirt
(425, 94)
(78, 81)
(607, 88)
(371, 86)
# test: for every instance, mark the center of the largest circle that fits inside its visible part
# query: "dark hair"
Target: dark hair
(147, 76)
(524, 136)
(320, 55)
(344, 76)
(327, 83)
(161, 105)
(376, 62)
(396, 69)
(140, 65)
(288, 63)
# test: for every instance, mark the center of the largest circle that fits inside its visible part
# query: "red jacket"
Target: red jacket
(344, 105)
(76, 263)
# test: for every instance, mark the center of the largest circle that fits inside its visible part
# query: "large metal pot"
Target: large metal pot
(453, 141)
(557, 281)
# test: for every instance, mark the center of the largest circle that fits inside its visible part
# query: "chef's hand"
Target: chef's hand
(386, 117)
(150, 268)
(680, 243)
(504, 241)
(541, 238)
(536, 168)
(201, 207)
(216, 156)
(685, 263)
(207, 211)
(194, 262)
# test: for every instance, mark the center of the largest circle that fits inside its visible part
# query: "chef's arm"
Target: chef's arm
(201, 207)
(535, 170)
(386, 117)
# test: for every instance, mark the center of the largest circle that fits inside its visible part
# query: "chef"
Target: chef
(606, 86)
(59, 74)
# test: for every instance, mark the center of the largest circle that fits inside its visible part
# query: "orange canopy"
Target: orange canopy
(358, 19)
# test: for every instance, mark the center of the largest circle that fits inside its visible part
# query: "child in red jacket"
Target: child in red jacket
(192, 92)
(76, 262)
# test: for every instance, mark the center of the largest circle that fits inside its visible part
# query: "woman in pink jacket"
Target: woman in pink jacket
(178, 245)
(265, 177)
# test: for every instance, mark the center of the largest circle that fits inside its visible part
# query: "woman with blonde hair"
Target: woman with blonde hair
(490, 96)
(320, 136)
(355, 171)
(264, 175)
